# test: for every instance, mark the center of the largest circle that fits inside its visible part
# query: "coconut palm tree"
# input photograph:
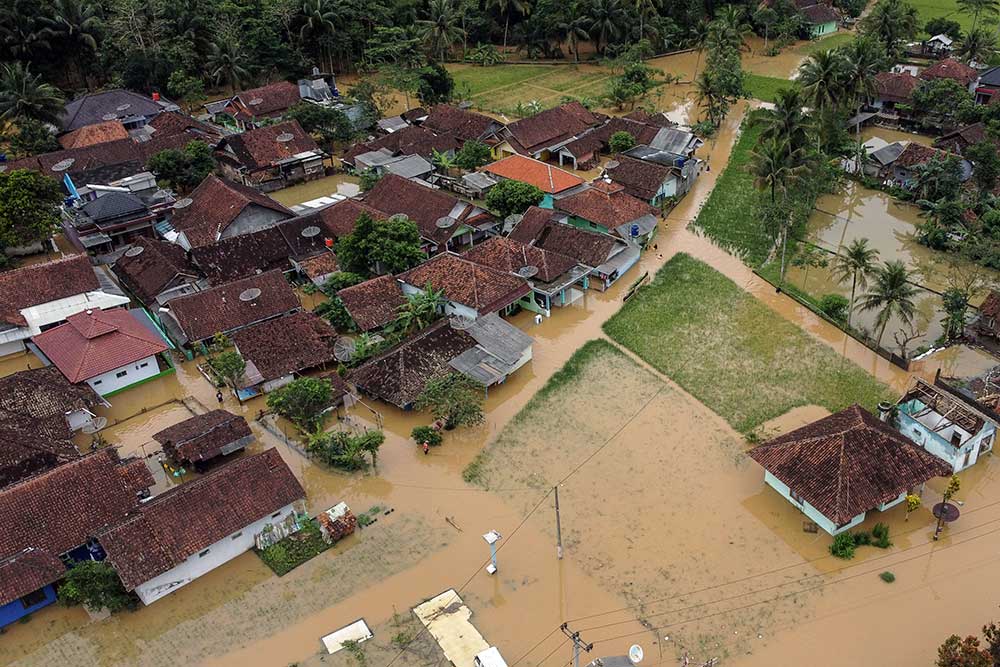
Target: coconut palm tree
(226, 63)
(731, 28)
(864, 58)
(441, 29)
(892, 22)
(21, 32)
(775, 166)
(607, 22)
(856, 263)
(891, 294)
(786, 121)
(978, 45)
(25, 95)
(506, 7)
(978, 9)
(76, 26)
(317, 24)
(573, 29)
(698, 38)
(822, 79)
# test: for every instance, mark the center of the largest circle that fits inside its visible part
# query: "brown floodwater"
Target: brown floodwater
(337, 184)
(241, 615)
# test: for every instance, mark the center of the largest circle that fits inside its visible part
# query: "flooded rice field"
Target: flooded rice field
(671, 538)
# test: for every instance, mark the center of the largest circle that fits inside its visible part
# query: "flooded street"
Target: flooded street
(711, 542)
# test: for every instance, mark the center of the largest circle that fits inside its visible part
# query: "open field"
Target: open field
(731, 352)
(930, 9)
(825, 44)
(765, 88)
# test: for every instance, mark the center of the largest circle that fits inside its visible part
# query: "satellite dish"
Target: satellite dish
(527, 271)
(310, 232)
(122, 107)
(109, 116)
(256, 101)
(182, 203)
(513, 219)
(343, 349)
(284, 137)
(612, 164)
(461, 322)
(134, 251)
(250, 294)
(445, 222)
(63, 165)
(94, 425)
(635, 654)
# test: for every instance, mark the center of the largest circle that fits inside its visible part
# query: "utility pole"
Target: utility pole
(577, 643)
(558, 527)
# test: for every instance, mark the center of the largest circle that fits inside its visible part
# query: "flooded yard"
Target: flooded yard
(337, 184)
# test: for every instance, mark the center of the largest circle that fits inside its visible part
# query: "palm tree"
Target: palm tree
(786, 121)
(21, 32)
(822, 79)
(698, 38)
(891, 294)
(505, 7)
(892, 22)
(978, 45)
(574, 29)
(774, 166)
(644, 10)
(318, 24)
(76, 25)
(225, 63)
(857, 263)
(440, 30)
(864, 59)
(25, 95)
(607, 21)
(420, 310)
(730, 27)
(977, 8)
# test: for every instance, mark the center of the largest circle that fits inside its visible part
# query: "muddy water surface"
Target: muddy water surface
(338, 184)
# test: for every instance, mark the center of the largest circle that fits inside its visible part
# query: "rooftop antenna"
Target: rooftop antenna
(250, 294)
(63, 165)
(343, 349)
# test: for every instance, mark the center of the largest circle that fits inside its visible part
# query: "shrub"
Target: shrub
(422, 434)
(880, 533)
(96, 585)
(887, 577)
(834, 306)
(862, 538)
(288, 553)
(843, 546)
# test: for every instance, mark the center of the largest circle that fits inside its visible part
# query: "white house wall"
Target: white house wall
(450, 307)
(814, 514)
(207, 560)
(942, 448)
(105, 383)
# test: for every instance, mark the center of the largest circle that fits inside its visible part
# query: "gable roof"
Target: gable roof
(461, 123)
(915, 154)
(542, 175)
(606, 204)
(97, 341)
(215, 204)
(60, 509)
(339, 219)
(109, 105)
(153, 269)
(243, 256)
(373, 303)
(399, 374)
(949, 68)
(641, 178)
(264, 147)
(847, 463)
(273, 98)
(423, 204)
(39, 399)
(895, 87)
(160, 534)
(482, 288)
(963, 137)
(410, 140)
(288, 344)
(990, 77)
(509, 256)
(111, 205)
(589, 248)
(203, 437)
(889, 153)
(41, 283)
(818, 14)
(98, 133)
(223, 308)
(26, 572)
(550, 127)
(171, 123)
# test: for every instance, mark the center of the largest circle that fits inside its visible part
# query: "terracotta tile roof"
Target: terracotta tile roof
(26, 572)
(641, 178)
(320, 265)
(373, 303)
(915, 154)
(215, 204)
(289, 344)
(26, 450)
(531, 225)
(479, 287)
(819, 14)
(339, 219)
(97, 341)
(847, 463)
(39, 399)
(163, 532)
(171, 123)
(950, 68)
(991, 305)
(260, 148)
(412, 140)
(98, 133)
(59, 510)
(399, 374)
(159, 266)
(895, 87)
(274, 98)
(551, 126)
(509, 256)
(127, 156)
(204, 436)
(655, 119)
(305, 246)
(243, 256)
(460, 123)
(588, 248)
(41, 283)
(93, 107)
(221, 309)
(422, 204)
(964, 137)
(642, 132)
(543, 176)
(606, 204)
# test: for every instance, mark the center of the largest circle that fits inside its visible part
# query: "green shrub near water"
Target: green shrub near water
(843, 546)
(288, 553)
(428, 434)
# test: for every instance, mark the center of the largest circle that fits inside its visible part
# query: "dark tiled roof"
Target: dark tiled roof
(284, 345)
(98, 133)
(963, 137)
(26, 572)
(39, 399)
(373, 303)
(203, 437)
(243, 256)
(509, 256)
(531, 225)
(154, 269)
(215, 204)
(915, 154)
(259, 148)
(551, 126)
(160, 534)
(895, 87)
(484, 289)
(220, 309)
(819, 14)
(41, 283)
(398, 375)
(339, 219)
(641, 178)
(847, 463)
(412, 140)
(93, 107)
(320, 265)
(113, 205)
(606, 204)
(26, 450)
(991, 305)
(950, 69)
(76, 161)
(588, 248)
(274, 98)
(422, 204)
(61, 509)
(170, 123)
(460, 123)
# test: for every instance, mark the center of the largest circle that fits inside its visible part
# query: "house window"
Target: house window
(144, 364)
(795, 496)
(239, 534)
(121, 374)
(276, 515)
(98, 381)
(203, 553)
(31, 599)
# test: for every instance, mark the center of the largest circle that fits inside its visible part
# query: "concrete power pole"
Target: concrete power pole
(558, 527)
(577, 643)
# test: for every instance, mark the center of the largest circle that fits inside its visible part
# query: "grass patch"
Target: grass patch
(733, 353)
(765, 88)
(887, 577)
(287, 554)
(482, 79)
(827, 43)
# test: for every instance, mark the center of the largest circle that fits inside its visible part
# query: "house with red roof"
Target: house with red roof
(110, 350)
(892, 88)
(606, 208)
(271, 157)
(952, 69)
(254, 107)
(542, 135)
(470, 289)
(548, 178)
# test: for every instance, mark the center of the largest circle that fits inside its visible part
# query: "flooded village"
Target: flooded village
(574, 353)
